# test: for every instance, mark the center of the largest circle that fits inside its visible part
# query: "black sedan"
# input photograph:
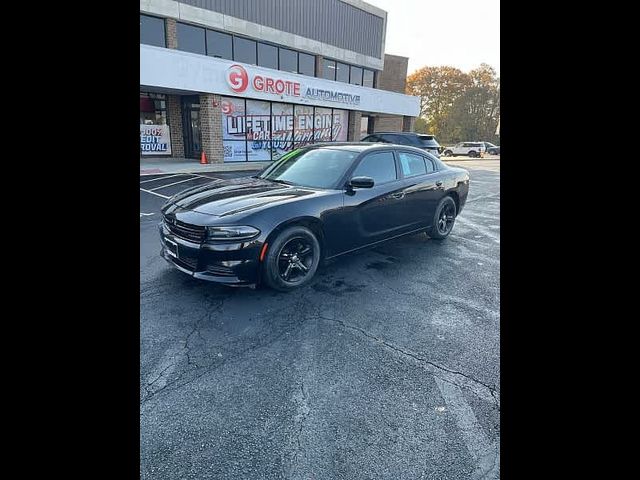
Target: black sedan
(313, 204)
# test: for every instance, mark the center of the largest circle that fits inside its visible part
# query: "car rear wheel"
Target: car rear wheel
(448, 153)
(473, 154)
(292, 259)
(444, 219)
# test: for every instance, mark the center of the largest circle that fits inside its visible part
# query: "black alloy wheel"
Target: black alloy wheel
(292, 259)
(444, 219)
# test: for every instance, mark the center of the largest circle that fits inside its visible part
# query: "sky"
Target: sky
(458, 33)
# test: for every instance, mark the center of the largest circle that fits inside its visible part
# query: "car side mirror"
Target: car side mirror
(361, 182)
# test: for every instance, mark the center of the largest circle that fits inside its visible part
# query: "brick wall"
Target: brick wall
(408, 123)
(394, 75)
(353, 134)
(170, 29)
(174, 117)
(211, 127)
(388, 123)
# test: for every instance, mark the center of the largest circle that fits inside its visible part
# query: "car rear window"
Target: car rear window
(427, 141)
(412, 164)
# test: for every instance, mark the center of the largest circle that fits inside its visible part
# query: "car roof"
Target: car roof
(349, 146)
(398, 133)
(361, 146)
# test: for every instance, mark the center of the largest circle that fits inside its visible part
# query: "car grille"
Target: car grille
(186, 263)
(193, 233)
(220, 270)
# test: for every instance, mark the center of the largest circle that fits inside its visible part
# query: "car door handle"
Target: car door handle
(398, 195)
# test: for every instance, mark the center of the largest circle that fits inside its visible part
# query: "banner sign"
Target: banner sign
(271, 129)
(155, 140)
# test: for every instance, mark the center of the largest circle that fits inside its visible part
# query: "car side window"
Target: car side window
(370, 138)
(380, 166)
(412, 164)
(429, 164)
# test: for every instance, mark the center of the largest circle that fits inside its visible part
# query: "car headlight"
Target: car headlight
(241, 232)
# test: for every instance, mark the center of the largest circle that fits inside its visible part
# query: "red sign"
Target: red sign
(238, 80)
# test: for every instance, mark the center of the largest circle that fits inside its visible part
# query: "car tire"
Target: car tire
(473, 154)
(441, 228)
(448, 153)
(283, 269)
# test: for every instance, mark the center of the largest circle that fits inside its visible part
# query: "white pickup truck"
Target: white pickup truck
(473, 149)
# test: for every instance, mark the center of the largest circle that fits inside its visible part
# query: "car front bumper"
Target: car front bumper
(231, 263)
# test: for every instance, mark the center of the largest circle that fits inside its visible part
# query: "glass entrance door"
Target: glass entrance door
(191, 126)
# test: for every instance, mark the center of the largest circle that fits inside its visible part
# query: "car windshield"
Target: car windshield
(427, 141)
(316, 168)
(489, 145)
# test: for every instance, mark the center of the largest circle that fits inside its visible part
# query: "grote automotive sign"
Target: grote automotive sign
(167, 68)
(239, 80)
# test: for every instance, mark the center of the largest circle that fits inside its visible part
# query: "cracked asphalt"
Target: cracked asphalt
(386, 367)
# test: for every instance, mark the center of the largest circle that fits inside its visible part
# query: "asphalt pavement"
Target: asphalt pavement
(386, 367)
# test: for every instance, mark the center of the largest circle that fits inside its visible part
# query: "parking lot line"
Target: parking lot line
(153, 193)
(166, 176)
(171, 184)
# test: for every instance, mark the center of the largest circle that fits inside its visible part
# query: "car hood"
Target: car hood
(228, 197)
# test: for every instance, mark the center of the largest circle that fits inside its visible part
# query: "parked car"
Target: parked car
(473, 149)
(491, 149)
(313, 204)
(419, 140)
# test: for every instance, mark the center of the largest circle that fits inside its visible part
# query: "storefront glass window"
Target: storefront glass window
(256, 130)
(281, 129)
(288, 60)
(190, 38)
(258, 125)
(267, 56)
(152, 31)
(233, 130)
(367, 78)
(303, 125)
(328, 69)
(153, 109)
(356, 76)
(155, 137)
(219, 45)
(322, 125)
(307, 64)
(244, 50)
(340, 125)
(342, 72)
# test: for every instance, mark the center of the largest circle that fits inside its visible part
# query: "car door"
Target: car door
(423, 187)
(458, 149)
(373, 214)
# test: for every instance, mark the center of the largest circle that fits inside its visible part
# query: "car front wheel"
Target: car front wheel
(444, 219)
(292, 259)
(448, 153)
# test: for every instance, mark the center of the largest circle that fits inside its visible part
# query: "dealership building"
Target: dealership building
(249, 80)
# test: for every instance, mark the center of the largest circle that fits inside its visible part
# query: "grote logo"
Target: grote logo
(238, 78)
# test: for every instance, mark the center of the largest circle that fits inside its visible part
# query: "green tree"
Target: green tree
(457, 106)
(421, 125)
(476, 112)
(438, 89)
